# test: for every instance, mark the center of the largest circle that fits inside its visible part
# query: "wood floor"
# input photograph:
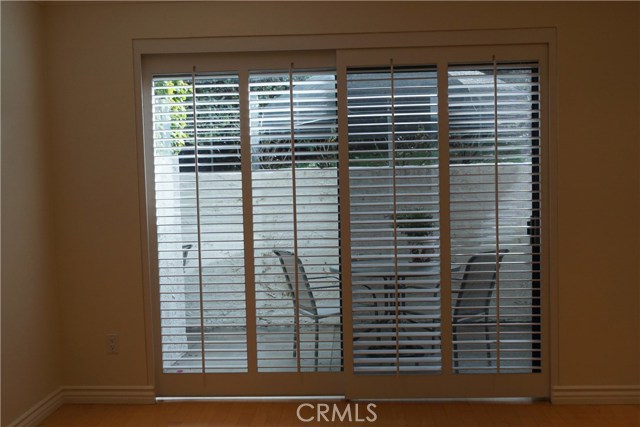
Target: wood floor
(279, 414)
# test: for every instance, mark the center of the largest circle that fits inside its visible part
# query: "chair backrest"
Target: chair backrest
(289, 262)
(477, 285)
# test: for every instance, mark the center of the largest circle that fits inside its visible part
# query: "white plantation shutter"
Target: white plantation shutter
(295, 209)
(198, 209)
(494, 153)
(393, 168)
(427, 214)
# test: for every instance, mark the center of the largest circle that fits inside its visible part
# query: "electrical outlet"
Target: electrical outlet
(113, 343)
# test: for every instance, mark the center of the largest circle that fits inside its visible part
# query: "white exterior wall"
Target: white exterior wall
(267, 268)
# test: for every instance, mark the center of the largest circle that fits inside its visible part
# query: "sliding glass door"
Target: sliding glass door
(363, 223)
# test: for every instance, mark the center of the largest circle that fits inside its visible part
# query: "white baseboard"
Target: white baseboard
(82, 394)
(110, 394)
(40, 410)
(596, 395)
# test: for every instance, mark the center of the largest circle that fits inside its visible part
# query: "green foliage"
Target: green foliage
(179, 91)
(415, 224)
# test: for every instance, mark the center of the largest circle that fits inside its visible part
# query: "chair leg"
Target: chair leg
(486, 336)
(317, 345)
(295, 342)
(455, 349)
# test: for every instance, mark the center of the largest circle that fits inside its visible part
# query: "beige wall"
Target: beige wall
(30, 318)
(94, 155)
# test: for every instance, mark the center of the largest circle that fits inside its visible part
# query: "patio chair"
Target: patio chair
(473, 298)
(307, 305)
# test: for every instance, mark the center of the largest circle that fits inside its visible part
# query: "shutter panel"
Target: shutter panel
(495, 209)
(393, 181)
(199, 223)
(295, 212)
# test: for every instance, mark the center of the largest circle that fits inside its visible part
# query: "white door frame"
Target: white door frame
(440, 48)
